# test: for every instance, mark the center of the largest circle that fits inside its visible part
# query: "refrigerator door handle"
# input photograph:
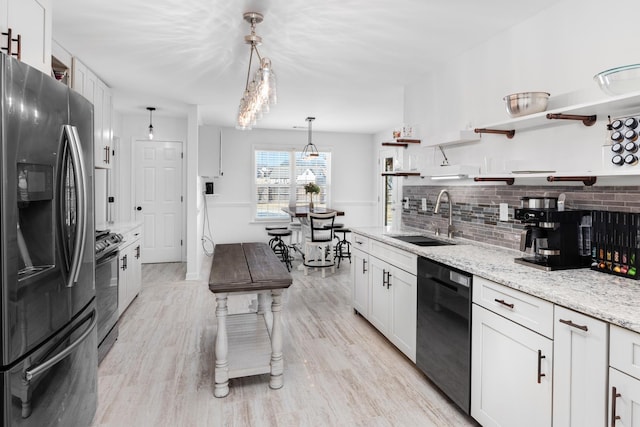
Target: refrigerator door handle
(75, 149)
(30, 373)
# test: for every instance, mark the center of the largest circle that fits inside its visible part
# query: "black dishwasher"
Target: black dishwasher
(444, 329)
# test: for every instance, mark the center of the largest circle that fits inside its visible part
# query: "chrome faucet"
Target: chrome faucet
(450, 229)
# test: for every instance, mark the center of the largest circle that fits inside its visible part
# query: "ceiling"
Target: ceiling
(343, 61)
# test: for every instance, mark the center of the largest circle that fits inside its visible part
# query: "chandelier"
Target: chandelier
(260, 92)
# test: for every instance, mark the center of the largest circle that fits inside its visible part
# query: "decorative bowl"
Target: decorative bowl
(620, 80)
(524, 103)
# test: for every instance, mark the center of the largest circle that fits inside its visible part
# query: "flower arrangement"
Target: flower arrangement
(311, 187)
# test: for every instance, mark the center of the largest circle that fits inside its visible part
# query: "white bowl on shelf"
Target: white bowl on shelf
(619, 80)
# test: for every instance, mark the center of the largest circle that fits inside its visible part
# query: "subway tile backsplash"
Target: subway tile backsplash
(476, 209)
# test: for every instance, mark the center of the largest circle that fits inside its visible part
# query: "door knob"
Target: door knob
(138, 208)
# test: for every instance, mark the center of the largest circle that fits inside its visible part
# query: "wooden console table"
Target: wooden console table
(249, 343)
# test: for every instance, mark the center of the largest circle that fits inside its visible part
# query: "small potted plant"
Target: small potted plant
(311, 188)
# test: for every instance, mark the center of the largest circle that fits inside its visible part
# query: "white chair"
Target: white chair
(318, 245)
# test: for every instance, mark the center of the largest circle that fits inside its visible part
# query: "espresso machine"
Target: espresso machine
(553, 239)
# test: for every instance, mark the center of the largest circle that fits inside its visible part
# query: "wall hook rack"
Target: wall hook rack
(586, 120)
(508, 133)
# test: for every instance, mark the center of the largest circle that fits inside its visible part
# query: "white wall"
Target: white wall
(353, 186)
(558, 51)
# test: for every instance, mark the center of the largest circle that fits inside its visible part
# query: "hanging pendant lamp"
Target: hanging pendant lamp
(310, 150)
(260, 92)
(151, 110)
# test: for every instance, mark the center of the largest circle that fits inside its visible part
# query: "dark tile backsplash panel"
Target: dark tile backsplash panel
(476, 209)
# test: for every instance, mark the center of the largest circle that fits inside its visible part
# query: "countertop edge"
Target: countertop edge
(606, 297)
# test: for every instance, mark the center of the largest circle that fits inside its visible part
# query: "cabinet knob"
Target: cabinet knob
(138, 208)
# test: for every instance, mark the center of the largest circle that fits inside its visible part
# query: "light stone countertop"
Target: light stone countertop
(119, 227)
(607, 297)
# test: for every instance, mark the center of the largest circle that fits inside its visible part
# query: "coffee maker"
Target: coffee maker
(555, 240)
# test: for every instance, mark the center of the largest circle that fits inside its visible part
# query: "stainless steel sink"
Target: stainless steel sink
(422, 240)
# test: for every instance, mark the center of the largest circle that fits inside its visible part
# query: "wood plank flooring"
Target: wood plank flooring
(339, 371)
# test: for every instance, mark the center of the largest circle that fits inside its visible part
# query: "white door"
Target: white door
(380, 306)
(404, 296)
(627, 399)
(158, 199)
(360, 271)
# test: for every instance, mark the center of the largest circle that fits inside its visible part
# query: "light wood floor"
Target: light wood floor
(339, 371)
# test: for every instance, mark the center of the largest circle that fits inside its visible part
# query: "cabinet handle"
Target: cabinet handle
(138, 252)
(124, 263)
(384, 274)
(574, 325)
(540, 374)
(614, 396)
(10, 41)
(106, 154)
(364, 266)
(388, 279)
(501, 301)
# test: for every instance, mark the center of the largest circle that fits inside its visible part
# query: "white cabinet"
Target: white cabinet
(85, 82)
(360, 280)
(29, 20)
(393, 304)
(130, 269)
(580, 350)
(624, 378)
(511, 365)
(384, 293)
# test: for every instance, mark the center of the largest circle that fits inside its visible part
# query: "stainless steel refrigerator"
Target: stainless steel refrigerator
(47, 255)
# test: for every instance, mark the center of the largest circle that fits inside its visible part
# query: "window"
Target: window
(280, 176)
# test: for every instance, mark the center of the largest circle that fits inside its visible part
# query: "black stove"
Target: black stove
(106, 242)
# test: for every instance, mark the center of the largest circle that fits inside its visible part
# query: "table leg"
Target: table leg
(277, 364)
(221, 373)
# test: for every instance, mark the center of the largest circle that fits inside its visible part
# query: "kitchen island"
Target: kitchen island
(250, 343)
(605, 297)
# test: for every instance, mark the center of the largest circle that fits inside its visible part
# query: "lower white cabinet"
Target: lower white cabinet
(130, 269)
(511, 372)
(360, 280)
(386, 295)
(580, 368)
(624, 378)
(394, 299)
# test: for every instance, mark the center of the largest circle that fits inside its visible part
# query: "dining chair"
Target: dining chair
(318, 245)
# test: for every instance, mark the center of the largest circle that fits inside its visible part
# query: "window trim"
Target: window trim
(291, 150)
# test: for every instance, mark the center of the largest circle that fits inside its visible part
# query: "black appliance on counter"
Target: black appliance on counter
(558, 240)
(47, 314)
(616, 243)
(443, 337)
(107, 245)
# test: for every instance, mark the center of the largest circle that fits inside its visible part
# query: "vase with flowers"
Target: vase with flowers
(311, 188)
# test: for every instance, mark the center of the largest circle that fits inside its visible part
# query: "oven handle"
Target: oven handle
(44, 366)
(109, 258)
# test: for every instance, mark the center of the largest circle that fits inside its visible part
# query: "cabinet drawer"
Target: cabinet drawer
(131, 235)
(624, 350)
(394, 256)
(360, 242)
(529, 311)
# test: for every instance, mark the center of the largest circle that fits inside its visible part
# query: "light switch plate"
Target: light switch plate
(504, 212)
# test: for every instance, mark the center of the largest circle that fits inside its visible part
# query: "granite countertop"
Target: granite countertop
(607, 297)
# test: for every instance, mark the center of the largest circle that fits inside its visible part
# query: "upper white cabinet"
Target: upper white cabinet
(85, 82)
(30, 22)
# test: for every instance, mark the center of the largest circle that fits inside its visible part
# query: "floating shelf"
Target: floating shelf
(399, 173)
(615, 104)
(460, 137)
(401, 142)
(507, 180)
